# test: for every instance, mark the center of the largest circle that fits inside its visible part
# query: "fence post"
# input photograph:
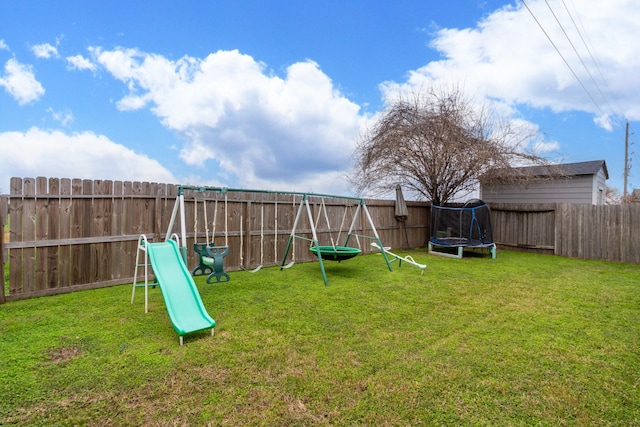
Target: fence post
(3, 214)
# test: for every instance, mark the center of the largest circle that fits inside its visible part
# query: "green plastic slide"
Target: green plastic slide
(181, 296)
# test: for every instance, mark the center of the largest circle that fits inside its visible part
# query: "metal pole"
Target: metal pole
(353, 223)
(375, 233)
(293, 233)
(315, 241)
(172, 220)
(183, 228)
(247, 190)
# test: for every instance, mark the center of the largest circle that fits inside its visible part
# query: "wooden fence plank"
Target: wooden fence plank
(101, 226)
(116, 249)
(632, 231)
(53, 233)
(148, 210)
(598, 232)
(106, 266)
(29, 233)
(613, 237)
(64, 251)
(625, 232)
(128, 248)
(15, 235)
(578, 231)
(76, 232)
(247, 218)
(158, 207)
(560, 227)
(138, 209)
(41, 231)
(3, 218)
(87, 261)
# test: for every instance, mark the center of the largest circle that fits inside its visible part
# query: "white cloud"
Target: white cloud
(545, 147)
(3, 45)
(509, 58)
(65, 118)
(44, 50)
(85, 155)
(604, 121)
(259, 128)
(79, 62)
(20, 82)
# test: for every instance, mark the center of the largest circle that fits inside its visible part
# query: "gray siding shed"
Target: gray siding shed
(583, 183)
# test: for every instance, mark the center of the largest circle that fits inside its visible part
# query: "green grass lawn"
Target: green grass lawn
(521, 340)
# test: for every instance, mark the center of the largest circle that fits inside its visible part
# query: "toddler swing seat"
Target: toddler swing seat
(211, 262)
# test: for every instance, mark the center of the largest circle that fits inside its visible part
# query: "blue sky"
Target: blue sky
(275, 94)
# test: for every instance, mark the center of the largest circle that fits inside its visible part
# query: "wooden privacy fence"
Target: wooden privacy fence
(610, 233)
(72, 234)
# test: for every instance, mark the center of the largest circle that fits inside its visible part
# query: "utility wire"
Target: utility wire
(618, 111)
(578, 55)
(596, 63)
(613, 111)
(563, 58)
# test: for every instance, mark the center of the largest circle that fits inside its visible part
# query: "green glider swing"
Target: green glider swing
(335, 253)
(331, 252)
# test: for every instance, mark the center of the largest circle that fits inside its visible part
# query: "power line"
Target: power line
(593, 59)
(614, 112)
(628, 157)
(578, 55)
(563, 58)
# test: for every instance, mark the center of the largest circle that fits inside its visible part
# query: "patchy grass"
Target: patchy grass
(521, 340)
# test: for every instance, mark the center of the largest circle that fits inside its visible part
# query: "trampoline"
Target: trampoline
(335, 253)
(455, 227)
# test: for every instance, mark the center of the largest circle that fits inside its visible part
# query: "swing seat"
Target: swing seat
(211, 262)
(335, 253)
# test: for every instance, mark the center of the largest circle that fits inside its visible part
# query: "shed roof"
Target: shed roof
(568, 169)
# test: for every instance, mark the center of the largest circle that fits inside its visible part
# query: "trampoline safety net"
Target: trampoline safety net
(461, 225)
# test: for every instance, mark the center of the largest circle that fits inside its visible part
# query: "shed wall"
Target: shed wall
(599, 188)
(578, 189)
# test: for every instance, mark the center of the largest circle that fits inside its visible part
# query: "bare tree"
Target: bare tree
(436, 144)
(612, 196)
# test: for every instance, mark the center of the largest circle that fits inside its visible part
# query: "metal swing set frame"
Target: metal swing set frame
(332, 252)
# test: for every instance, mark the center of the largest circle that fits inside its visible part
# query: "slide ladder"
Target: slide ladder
(182, 299)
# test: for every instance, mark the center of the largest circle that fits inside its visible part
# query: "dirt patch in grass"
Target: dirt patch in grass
(62, 354)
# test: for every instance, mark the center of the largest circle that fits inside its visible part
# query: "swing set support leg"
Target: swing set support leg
(292, 235)
(376, 237)
(324, 275)
(304, 203)
(286, 252)
(315, 239)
